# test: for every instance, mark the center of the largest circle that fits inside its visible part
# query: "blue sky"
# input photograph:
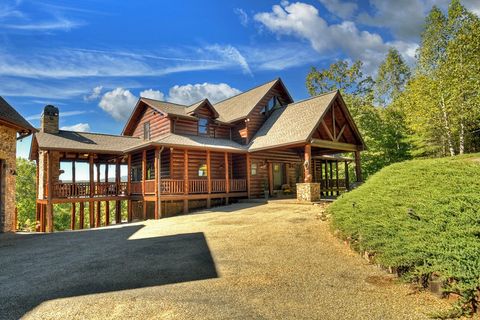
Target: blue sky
(93, 59)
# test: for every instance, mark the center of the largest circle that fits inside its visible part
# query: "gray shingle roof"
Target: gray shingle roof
(291, 124)
(171, 139)
(10, 115)
(239, 106)
(85, 142)
(168, 107)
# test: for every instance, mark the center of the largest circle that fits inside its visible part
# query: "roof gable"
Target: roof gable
(239, 106)
(205, 103)
(10, 117)
(298, 122)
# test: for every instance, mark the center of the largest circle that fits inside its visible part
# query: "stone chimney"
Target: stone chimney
(49, 119)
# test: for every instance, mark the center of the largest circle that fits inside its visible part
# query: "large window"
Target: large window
(146, 130)
(203, 126)
(253, 169)
(271, 104)
(202, 170)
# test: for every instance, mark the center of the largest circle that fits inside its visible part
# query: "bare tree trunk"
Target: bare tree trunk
(462, 138)
(448, 132)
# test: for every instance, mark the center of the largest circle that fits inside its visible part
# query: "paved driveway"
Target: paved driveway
(274, 261)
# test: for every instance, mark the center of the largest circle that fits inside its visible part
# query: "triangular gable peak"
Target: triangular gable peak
(136, 114)
(202, 108)
(336, 128)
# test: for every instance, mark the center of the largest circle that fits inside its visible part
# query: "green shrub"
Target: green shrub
(421, 217)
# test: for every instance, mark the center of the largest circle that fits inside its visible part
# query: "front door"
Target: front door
(278, 175)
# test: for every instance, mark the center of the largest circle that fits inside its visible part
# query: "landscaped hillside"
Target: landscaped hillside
(421, 217)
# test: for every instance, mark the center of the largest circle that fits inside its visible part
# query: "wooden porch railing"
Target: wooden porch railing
(136, 187)
(150, 186)
(238, 185)
(82, 189)
(198, 186)
(218, 185)
(171, 186)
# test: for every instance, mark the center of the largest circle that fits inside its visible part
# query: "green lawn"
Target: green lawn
(421, 217)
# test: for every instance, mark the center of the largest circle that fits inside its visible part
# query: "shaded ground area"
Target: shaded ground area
(241, 261)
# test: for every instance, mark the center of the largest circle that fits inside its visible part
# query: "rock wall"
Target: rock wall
(8, 138)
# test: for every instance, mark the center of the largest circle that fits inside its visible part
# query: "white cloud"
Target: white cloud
(79, 127)
(340, 8)
(230, 53)
(62, 24)
(152, 94)
(242, 15)
(191, 93)
(119, 103)
(95, 94)
(303, 21)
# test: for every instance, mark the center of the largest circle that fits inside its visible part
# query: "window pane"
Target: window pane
(203, 125)
(253, 169)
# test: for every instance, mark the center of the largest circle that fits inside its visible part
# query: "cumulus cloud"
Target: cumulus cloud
(342, 9)
(119, 103)
(191, 93)
(242, 15)
(152, 94)
(79, 127)
(303, 21)
(95, 94)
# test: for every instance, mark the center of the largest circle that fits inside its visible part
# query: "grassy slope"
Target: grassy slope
(444, 194)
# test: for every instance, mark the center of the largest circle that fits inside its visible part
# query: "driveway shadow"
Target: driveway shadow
(41, 267)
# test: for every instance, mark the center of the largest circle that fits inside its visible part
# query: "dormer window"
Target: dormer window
(146, 130)
(202, 126)
(273, 103)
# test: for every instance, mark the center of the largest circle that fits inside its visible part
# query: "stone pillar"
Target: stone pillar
(308, 192)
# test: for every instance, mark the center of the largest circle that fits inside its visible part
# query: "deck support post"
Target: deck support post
(129, 188)
(144, 180)
(209, 179)
(49, 205)
(92, 191)
(99, 204)
(118, 216)
(227, 177)
(249, 172)
(72, 221)
(107, 203)
(358, 167)
(327, 183)
(157, 180)
(81, 218)
(347, 178)
(336, 177)
(185, 178)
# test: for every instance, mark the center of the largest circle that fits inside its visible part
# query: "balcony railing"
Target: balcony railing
(167, 186)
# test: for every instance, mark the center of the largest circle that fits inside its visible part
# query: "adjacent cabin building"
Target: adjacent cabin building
(12, 127)
(179, 158)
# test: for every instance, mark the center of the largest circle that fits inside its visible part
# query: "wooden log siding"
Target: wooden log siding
(159, 124)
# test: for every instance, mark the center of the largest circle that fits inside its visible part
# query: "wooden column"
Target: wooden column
(98, 204)
(321, 177)
(49, 208)
(43, 227)
(327, 183)
(92, 193)
(307, 164)
(74, 179)
(185, 178)
(81, 218)
(358, 167)
(37, 207)
(227, 177)
(144, 180)
(347, 178)
(249, 174)
(336, 177)
(129, 188)
(157, 180)
(72, 221)
(209, 179)
(331, 177)
(118, 214)
(107, 203)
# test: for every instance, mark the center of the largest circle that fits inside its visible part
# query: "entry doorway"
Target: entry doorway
(279, 175)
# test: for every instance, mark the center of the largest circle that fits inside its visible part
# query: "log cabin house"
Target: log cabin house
(180, 157)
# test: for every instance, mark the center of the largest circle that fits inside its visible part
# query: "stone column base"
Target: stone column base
(308, 192)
